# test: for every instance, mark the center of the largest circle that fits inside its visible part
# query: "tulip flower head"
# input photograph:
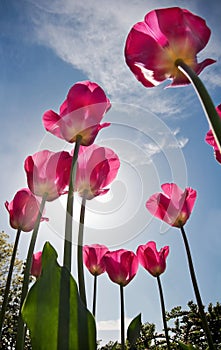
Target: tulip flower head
(152, 260)
(174, 206)
(23, 210)
(97, 167)
(80, 114)
(48, 172)
(211, 140)
(93, 256)
(36, 266)
(166, 35)
(121, 266)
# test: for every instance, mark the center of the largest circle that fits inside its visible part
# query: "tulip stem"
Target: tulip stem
(8, 282)
(95, 295)
(205, 99)
(163, 312)
(81, 282)
(69, 208)
(64, 293)
(122, 317)
(197, 293)
(21, 332)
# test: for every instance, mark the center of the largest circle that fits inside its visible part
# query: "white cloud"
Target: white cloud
(112, 325)
(167, 141)
(91, 37)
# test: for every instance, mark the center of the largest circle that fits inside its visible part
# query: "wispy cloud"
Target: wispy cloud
(112, 325)
(166, 142)
(91, 37)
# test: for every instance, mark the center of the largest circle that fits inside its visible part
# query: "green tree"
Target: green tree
(10, 323)
(184, 326)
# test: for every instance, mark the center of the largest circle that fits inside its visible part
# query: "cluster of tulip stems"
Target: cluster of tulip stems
(54, 309)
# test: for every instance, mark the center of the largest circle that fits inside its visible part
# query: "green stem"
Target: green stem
(64, 294)
(122, 325)
(95, 295)
(205, 99)
(197, 293)
(21, 327)
(163, 312)
(69, 211)
(8, 282)
(81, 282)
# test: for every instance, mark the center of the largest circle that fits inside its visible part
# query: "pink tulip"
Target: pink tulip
(211, 140)
(97, 168)
(94, 258)
(36, 266)
(174, 206)
(152, 260)
(165, 35)
(48, 172)
(121, 266)
(23, 210)
(80, 114)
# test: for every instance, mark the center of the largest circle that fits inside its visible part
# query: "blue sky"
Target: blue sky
(47, 46)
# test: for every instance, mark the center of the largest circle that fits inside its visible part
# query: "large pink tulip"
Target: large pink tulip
(23, 210)
(152, 260)
(121, 266)
(94, 258)
(165, 35)
(97, 168)
(48, 172)
(36, 266)
(174, 206)
(211, 140)
(80, 114)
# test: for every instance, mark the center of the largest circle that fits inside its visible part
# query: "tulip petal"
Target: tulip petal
(97, 167)
(52, 123)
(80, 114)
(174, 207)
(154, 45)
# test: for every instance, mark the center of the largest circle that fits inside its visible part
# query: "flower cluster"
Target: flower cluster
(162, 46)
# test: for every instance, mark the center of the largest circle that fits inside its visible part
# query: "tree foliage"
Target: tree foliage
(185, 326)
(10, 324)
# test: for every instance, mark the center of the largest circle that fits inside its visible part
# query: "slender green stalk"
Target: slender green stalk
(163, 312)
(69, 210)
(95, 295)
(81, 282)
(205, 99)
(122, 325)
(21, 327)
(197, 293)
(64, 294)
(8, 282)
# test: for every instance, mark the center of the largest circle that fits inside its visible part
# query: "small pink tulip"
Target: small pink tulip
(23, 210)
(36, 264)
(174, 206)
(152, 260)
(165, 35)
(80, 114)
(93, 256)
(121, 266)
(211, 140)
(48, 172)
(97, 167)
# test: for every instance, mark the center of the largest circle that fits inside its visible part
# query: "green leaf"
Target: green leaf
(187, 346)
(114, 347)
(41, 308)
(133, 330)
